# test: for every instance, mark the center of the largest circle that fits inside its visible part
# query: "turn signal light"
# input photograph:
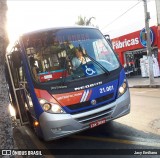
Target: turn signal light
(36, 123)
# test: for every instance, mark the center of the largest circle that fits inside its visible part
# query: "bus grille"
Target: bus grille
(96, 116)
(88, 103)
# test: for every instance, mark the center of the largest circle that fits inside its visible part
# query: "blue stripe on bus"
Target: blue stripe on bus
(97, 92)
(37, 108)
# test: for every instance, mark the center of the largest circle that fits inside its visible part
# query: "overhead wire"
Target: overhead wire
(121, 15)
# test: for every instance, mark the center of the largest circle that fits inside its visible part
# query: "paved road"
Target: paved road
(140, 131)
(145, 110)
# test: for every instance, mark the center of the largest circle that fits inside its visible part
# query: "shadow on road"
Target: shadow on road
(99, 140)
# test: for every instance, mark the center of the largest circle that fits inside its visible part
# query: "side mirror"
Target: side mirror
(16, 58)
(108, 39)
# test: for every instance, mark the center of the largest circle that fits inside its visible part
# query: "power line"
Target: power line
(121, 15)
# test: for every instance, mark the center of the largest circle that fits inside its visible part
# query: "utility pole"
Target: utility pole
(158, 11)
(149, 51)
(158, 24)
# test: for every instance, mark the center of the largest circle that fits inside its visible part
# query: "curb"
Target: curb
(145, 86)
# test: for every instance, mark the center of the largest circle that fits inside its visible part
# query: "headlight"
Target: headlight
(46, 106)
(122, 88)
(56, 108)
(50, 107)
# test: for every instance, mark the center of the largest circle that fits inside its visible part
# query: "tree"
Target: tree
(6, 135)
(84, 21)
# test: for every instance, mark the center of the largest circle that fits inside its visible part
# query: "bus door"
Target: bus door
(17, 86)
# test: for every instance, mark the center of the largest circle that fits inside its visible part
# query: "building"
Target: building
(131, 49)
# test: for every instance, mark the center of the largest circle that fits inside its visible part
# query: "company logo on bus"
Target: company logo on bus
(93, 102)
(88, 86)
(143, 38)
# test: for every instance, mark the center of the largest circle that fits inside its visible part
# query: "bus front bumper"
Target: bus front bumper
(54, 126)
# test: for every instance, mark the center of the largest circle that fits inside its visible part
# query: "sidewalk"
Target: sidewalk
(140, 82)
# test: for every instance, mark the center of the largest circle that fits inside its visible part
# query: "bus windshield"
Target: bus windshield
(67, 54)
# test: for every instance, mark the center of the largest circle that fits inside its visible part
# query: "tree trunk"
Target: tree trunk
(6, 135)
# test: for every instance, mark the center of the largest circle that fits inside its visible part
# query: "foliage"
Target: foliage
(84, 21)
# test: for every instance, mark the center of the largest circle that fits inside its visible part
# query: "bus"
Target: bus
(57, 99)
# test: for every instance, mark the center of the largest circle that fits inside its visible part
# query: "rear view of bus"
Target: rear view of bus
(67, 95)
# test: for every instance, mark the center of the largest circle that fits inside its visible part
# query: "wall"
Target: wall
(131, 41)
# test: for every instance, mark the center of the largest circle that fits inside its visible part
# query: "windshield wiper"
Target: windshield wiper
(97, 63)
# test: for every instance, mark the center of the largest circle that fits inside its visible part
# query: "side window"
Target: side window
(16, 67)
(13, 67)
(101, 51)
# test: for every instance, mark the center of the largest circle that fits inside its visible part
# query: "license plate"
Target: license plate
(97, 123)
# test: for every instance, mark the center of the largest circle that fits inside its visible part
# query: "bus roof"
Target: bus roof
(55, 28)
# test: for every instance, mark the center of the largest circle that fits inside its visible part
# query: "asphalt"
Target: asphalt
(24, 141)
